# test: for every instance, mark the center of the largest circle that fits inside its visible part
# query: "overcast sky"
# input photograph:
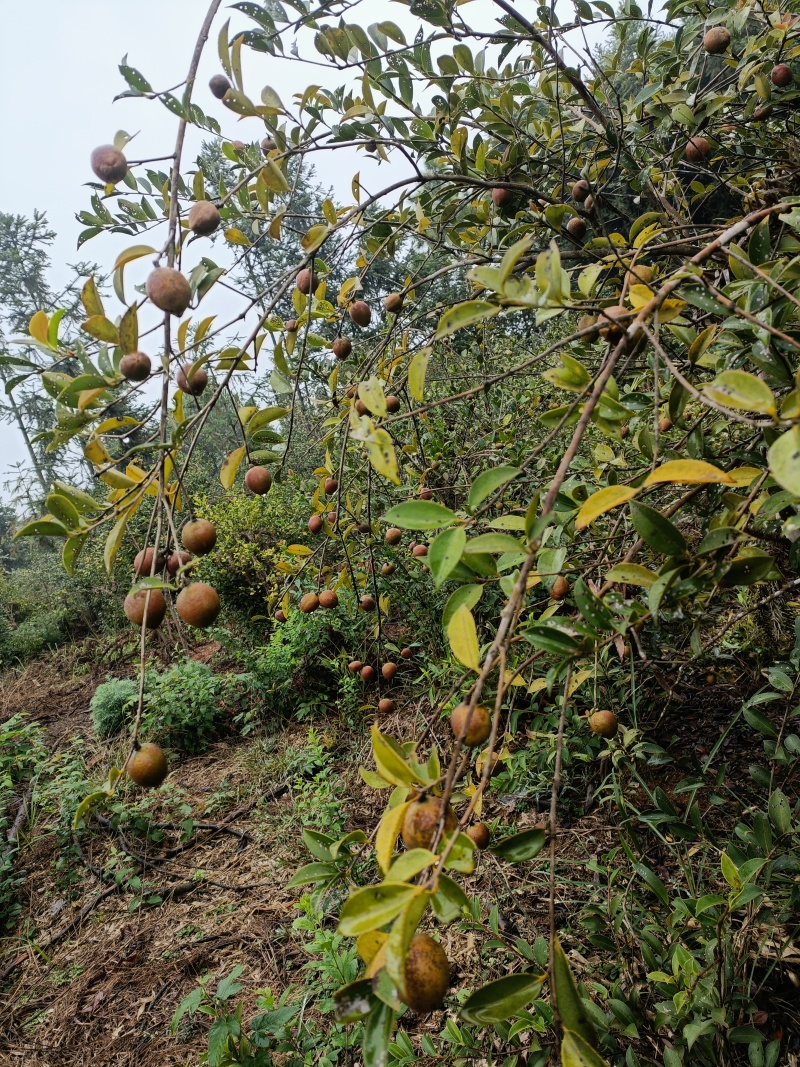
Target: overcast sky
(58, 78)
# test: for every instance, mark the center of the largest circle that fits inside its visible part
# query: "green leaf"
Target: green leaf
(784, 460)
(551, 638)
(741, 390)
(449, 901)
(501, 999)
(373, 907)
(390, 760)
(463, 315)
(86, 805)
(44, 527)
(656, 530)
(409, 864)
(444, 552)
(463, 637)
(417, 370)
(780, 812)
(653, 881)
(419, 515)
(517, 848)
(632, 574)
(312, 874)
(102, 328)
(485, 484)
(571, 1008)
(465, 596)
(591, 607)
(575, 1052)
(377, 1035)
(354, 1001)
(493, 543)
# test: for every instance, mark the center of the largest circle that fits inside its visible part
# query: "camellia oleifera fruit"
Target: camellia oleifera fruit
(258, 480)
(613, 321)
(109, 164)
(576, 228)
(502, 197)
(421, 820)
(697, 148)
(219, 85)
(386, 705)
(342, 347)
(393, 303)
(603, 723)
(393, 535)
(781, 75)
(147, 766)
(192, 379)
(360, 313)
(306, 280)
(479, 833)
(135, 366)
(136, 604)
(143, 562)
(168, 290)
(204, 218)
(308, 602)
(480, 724)
(716, 40)
(328, 599)
(426, 974)
(177, 560)
(560, 588)
(198, 604)
(199, 536)
(389, 670)
(580, 190)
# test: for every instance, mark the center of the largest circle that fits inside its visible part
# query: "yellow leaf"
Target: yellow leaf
(639, 295)
(388, 832)
(96, 452)
(416, 374)
(371, 392)
(601, 502)
(114, 539)
(382, 455)
(578, 679)
(236, 237)
(368, 945)
(87, 397)
(299, 550)
(743, 476)
(315, 237)
(227, 474)
(38, 327)
(463, 637)
(688, 472)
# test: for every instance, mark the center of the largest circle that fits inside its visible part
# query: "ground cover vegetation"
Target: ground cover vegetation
(425, 648)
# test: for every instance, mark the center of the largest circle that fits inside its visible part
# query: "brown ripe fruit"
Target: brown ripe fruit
(389, 670)
(480, 724)
(177, 560)
(364, 527)
(393, 303)
(419, 550)
(109, 164)
(219, 85)
(315, 524)
(308, 602)
(361, 407)
(780, 75)
(560, 588)
(603, 723)
(240, 146)
(501, 197)
(576, 228)
(697, 149)
(763, 113)
(421, 820)
(580, 190)
(367, 672)
(589, 202)
(392, 404)
(386, 705)
(587, 322)
(147, 766)
(360, 313)
(333, 518)
(291, 325)
(198, 604)
(135, 366)
(367, 603)
(331, 485)
(393, 535)
(191, 379)
(613, 321)
(716, 41)
(387, 569)
(342, 347)
(640, 274)
(258, 480)
(426, 493)
(204, 218)
(406, 653)
(479, 833)
(306, 280)
(328, 599)
(427, 974)
(280, 615)
(168, 290)
(268, 145)
(143, 563)
(624, 431)
(136, 604)
(199, 536)
(355, 666)
(665, 425)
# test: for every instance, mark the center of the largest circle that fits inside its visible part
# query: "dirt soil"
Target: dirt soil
(86, 980)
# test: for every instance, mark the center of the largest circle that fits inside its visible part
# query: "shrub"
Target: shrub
(184, 707)
(111, 705)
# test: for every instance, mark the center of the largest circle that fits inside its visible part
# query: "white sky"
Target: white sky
(58, 78)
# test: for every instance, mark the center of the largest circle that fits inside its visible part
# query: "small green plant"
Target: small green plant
(111, 705)
(184, 707)
(22, 753)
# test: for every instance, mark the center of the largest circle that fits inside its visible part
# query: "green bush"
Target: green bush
(22, 752)
(111, 705)
(184, 707)
(250, 531)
